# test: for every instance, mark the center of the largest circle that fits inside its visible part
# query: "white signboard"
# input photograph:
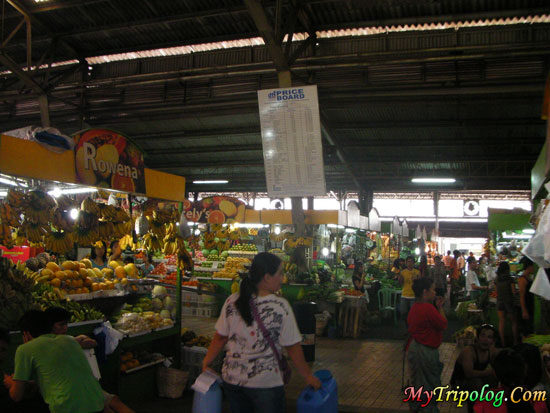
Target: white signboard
(291, 137)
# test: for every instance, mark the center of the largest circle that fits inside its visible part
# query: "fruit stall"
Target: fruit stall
(50, 227)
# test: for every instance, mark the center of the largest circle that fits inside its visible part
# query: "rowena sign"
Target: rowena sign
(108, 159)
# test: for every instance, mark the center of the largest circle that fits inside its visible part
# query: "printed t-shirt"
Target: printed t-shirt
(471, 278)
(426, 325)
(249, 360)
(408, 277)
(62, 373)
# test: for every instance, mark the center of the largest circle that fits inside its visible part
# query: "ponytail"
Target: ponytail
(263, 263)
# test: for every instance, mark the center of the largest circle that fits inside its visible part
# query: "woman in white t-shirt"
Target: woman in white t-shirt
(252, 379)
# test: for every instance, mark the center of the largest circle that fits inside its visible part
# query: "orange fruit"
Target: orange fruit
(85, 290)
(95, 286)
(102, 286)
(88, 282)
(78, 291)
(56, 282)
(60, 275)
(216, 217)
(122, 183)
(53, 266)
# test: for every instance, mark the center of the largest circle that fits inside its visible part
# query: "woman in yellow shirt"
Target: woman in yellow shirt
(406, 278)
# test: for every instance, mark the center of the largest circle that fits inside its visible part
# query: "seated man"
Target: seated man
(59, 319)
(59, 366)
(473, 366)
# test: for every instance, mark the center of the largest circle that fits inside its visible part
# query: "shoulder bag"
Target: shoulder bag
(284, 367)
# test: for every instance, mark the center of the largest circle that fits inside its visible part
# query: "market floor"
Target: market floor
(368, 373)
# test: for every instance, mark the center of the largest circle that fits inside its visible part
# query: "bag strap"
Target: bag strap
(265, 333)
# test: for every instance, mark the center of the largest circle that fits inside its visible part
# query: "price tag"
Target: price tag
(215, 265)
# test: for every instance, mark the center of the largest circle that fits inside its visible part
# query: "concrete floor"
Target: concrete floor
(368, 373)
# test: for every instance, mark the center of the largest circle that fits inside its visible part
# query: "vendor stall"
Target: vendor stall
(48, 209)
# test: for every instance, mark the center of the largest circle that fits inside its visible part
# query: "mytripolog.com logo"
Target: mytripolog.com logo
(446, 394)
(287, 94)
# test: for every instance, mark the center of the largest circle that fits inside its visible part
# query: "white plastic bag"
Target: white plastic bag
(536, 250)
(541, 285)
(59, 144)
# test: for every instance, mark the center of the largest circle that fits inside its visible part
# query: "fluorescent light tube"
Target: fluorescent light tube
(433, 180)
(12, 182)
(58, 192)
(220, 181)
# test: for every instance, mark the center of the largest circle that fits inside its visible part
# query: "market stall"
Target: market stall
(35, 218)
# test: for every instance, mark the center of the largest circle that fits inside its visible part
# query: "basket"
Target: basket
(171, 382)
(320, 324)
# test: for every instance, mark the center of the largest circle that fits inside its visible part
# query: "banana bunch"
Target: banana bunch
(215, 228)
(38, 278)
(107, 212)
(34, 231)
(171, 231)
(276, 238)
(9, 215)
(85, 236)
(292, 242)
(38, 206)
(64, 203)
(6, 238)
(234, 235)
(121, 215)
(119, 229)
(251, 231)
(90, 207)
(157, 227)
(163, 216)
(15, 198)
(59, 242)
(173, 246)
(105, 230)
(224, 245)
(19, 237)
(61, 220)
(86, 220)
(185, 261)
(127, 241)
(222, 234)
(152, 242)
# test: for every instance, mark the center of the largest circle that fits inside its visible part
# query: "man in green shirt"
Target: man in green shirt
(59, 367)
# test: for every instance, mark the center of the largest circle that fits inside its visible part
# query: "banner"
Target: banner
(107, 159)
(291, 138)
(15, 254)
(215, 210)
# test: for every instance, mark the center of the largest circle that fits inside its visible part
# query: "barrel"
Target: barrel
(305, 317)
(209, 402)
(324, 400)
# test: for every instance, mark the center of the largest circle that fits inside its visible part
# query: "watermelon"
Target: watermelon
(214, 252)
(205, 252)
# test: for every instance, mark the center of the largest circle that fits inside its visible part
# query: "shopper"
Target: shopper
(510, 370)
(447, 259)
(251, 371)
(426, 324)
(526, 298)
(59, 367)
(397, 266)
(358, 277)
(473, 287)
(59, 320)
(438, 273)
(406, 278)
(423, 267)
(99, 255)
(461, 262)
(116, 253)
(473, 366)
(505, 302)
(455, 276)
(148, 266)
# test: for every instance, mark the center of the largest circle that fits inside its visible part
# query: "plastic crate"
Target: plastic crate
(189, 311)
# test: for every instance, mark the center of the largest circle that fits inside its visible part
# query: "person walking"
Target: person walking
(426, 324)
(473, 287)
(423, 266)
(461, 262)
(438, 273)
(505, 302)
(254, 324)
(59, 367)
(526, 298)
(406, 278)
